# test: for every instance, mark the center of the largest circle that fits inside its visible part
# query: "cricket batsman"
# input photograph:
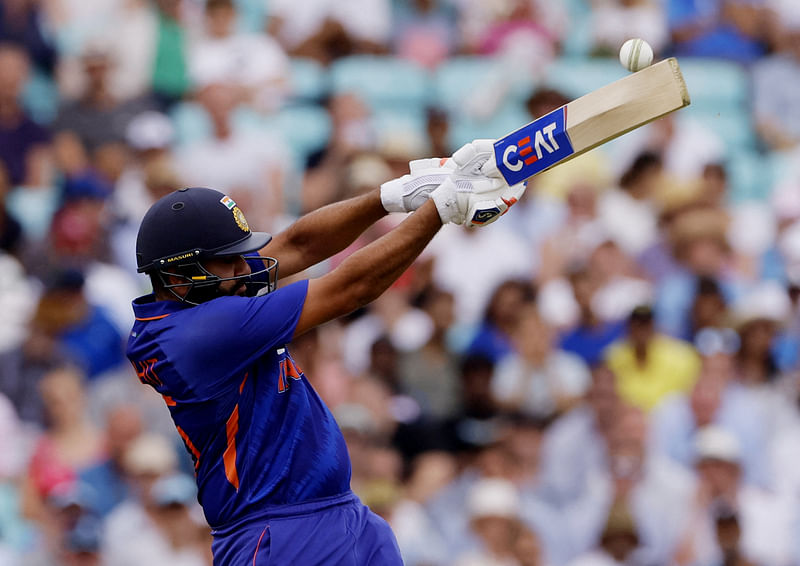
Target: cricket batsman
(272, 468)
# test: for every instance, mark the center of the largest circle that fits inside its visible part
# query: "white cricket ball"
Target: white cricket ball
(635, 54)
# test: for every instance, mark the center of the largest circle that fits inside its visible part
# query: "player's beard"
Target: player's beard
(205, 293)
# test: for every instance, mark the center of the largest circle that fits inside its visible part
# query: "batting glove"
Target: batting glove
(409, 192)
(474, 193)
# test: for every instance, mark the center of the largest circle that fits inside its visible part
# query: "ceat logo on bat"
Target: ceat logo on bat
(533, 148)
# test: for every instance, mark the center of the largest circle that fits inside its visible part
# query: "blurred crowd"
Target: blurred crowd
(608, 375)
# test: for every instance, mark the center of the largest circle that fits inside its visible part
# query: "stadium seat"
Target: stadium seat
(464, 129)
(750, 176)
(40, 98)
(735, 128)
(716, 85)
(578, 42)
(309, 80)
(381, 80)
(305, 128)
(458, 79)
(34, 208)
(191, 122)
(577, 76)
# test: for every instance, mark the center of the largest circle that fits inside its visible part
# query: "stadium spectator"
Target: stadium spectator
(765, 520)
(122, 427)
(170, 76)
(714, 400)
(495, 521)
(137, 530)
(94, 123)
(430, 374)
(254, 63)
(24, 144)
(69, 444)
(456, 249)
(615, 21)
(698, 241)
(590, 336)
(326, 29)
(251, 165)
(730, 29)
(537, 378)
(775, 77)
(479, 422)
(352, 133)
(650, 365)
(22, 23)
(574, 446)
(492, 338)
(424, 32)
(651, 486)
(627, 213)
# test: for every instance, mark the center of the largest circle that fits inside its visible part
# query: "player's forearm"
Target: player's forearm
(325, 232)
(371, 270)
(366, 274)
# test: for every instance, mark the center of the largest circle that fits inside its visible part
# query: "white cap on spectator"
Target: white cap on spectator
(715, 443)
(766, 301)
(150, 130)
(752, 229)
(493, 497)
(150, 454)
(785, 201)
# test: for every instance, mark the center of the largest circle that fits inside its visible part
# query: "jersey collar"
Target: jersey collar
(147, 308)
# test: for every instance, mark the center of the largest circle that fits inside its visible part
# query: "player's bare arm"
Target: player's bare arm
(325, 232)
(366, 274)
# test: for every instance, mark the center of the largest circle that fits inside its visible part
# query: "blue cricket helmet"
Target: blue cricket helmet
(190, 225)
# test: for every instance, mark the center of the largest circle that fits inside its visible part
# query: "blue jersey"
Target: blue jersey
(258, 433)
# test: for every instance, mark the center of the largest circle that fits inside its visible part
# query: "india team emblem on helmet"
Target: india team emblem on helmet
(241, 221)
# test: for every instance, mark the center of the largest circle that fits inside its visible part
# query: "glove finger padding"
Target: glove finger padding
(409, 192)
(469, 158)
(485, 208)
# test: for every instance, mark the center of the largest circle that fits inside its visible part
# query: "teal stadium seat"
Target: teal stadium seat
(40, 98)
(750, 176)
(381, 80)
(252, 15)
(735, 128)
(309, 80)
(191, 122)
(404, 121)
(458, 79)
(578, 42)
(509, 118)
(716, 86)
(577, 76)
(305, 128)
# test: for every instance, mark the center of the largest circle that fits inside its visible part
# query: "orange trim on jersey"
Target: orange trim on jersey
(153, 317)
(169, 401)
(192, 448)
(229, 457)
(258, 544)
(241, 385)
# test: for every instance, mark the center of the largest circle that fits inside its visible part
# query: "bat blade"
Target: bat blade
(591, 120)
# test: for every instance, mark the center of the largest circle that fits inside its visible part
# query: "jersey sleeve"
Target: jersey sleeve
(228, 334)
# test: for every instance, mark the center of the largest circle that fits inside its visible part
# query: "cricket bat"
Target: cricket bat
(591, 120)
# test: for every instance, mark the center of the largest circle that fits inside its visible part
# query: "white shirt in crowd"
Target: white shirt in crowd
(368, 20)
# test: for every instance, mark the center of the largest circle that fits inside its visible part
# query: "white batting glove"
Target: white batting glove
(474, 193)
(409, 192)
